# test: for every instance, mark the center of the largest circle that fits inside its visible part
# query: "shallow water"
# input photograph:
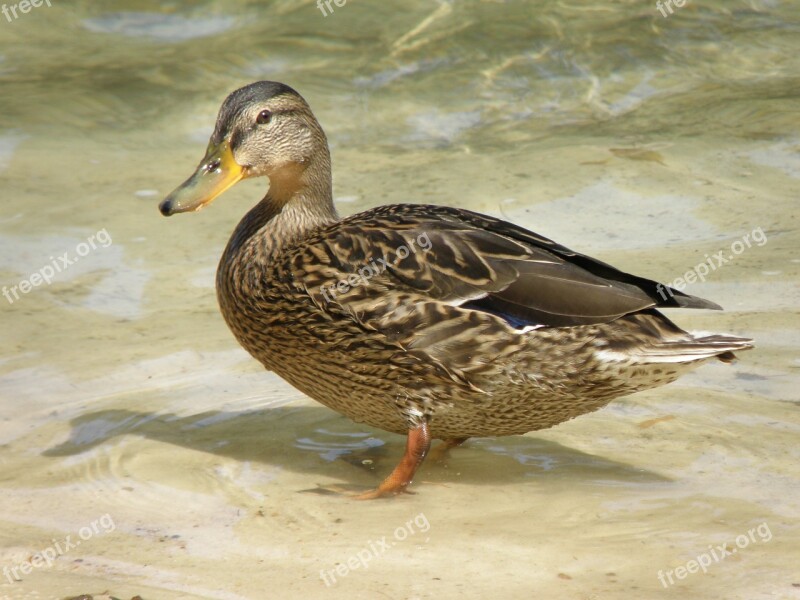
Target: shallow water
(131, 421)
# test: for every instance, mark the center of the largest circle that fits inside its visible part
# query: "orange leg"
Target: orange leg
(417, 445)
(441, 451)
(453, 442)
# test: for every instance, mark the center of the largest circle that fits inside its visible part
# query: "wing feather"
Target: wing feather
(421, 274)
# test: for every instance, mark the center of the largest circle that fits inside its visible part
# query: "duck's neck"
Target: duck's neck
(298, 202)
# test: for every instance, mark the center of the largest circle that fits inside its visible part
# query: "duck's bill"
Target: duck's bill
(217, 172)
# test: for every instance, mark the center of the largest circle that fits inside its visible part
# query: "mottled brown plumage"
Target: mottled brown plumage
(419, 319)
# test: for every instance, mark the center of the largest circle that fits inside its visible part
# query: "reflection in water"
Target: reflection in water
(646, 141)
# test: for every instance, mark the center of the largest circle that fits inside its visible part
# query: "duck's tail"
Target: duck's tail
(650, 338)
(700, 346)
(646, 350)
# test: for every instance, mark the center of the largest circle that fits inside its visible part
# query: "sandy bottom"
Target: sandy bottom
(143, 453)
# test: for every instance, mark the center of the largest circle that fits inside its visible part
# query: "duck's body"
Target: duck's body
(427, 320)
(399, 345)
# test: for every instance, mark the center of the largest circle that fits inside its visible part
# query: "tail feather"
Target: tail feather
(649, 338)
(697, 348)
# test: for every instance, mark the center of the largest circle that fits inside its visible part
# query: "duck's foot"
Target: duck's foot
(441, 452)
(417, 445)
(333, 489)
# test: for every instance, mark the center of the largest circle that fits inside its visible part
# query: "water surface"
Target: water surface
(129, 412)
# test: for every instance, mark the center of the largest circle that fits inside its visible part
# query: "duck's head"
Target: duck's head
(265, 128)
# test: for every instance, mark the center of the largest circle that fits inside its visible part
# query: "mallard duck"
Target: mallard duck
(427, 321)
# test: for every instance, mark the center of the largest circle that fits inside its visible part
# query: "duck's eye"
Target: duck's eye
(264, 117)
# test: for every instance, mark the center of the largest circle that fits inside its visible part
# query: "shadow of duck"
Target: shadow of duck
(316, 441)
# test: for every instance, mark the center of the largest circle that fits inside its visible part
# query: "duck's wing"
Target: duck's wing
(417, 253)
(448, 287)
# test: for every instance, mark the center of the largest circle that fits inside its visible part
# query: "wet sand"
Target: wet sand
(647, 142)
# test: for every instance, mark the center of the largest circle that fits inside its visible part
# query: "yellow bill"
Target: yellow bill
(217, 172)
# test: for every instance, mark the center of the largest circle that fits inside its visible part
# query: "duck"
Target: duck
(427, 321)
